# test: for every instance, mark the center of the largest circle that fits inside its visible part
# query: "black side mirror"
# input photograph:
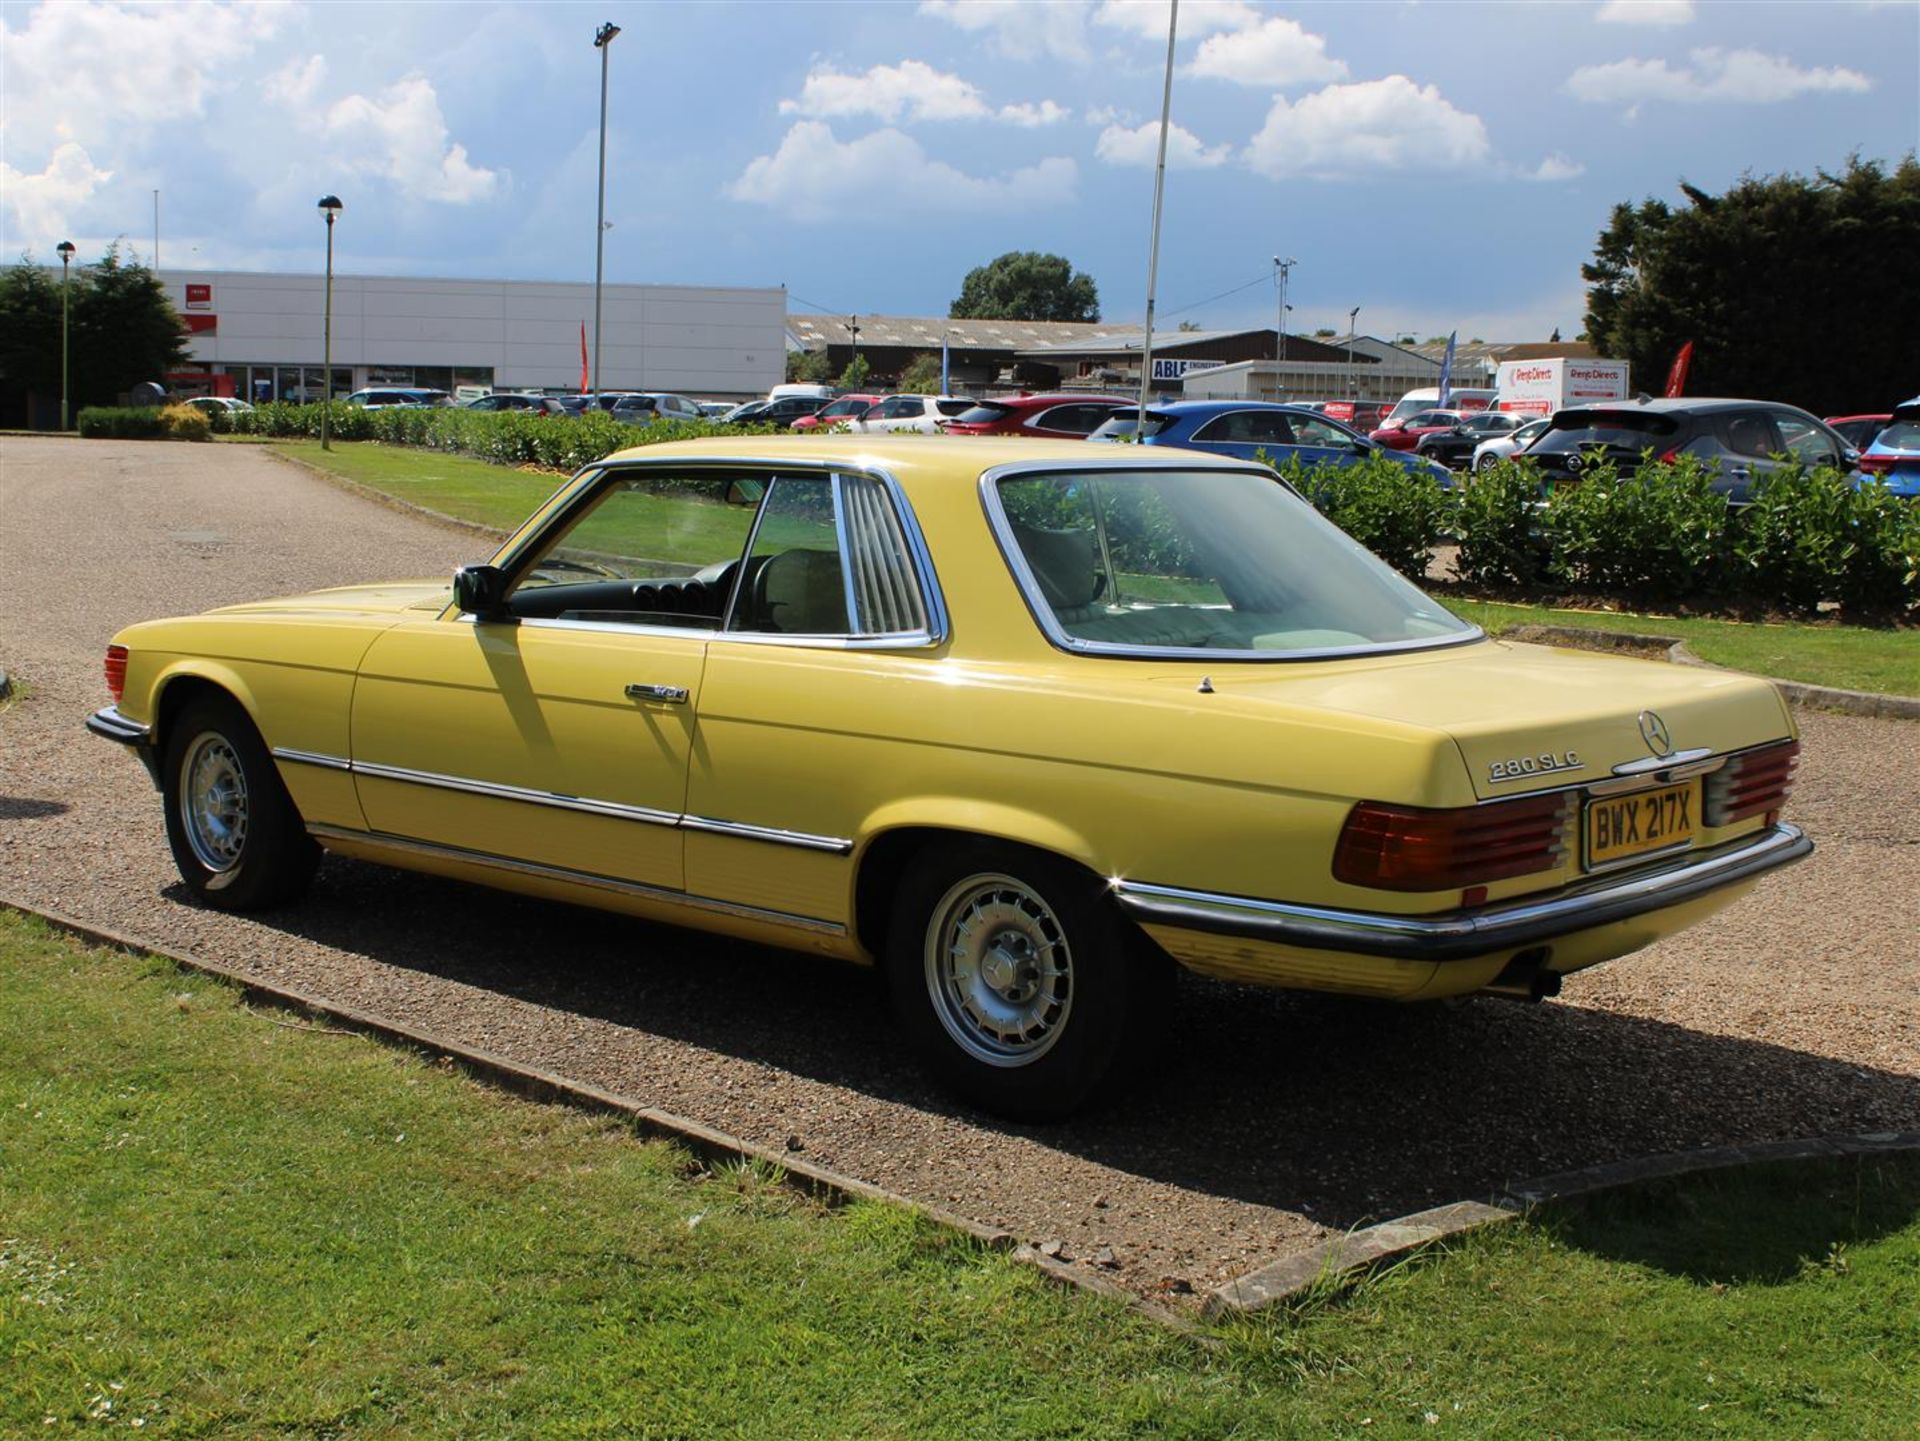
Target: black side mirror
(481, 591)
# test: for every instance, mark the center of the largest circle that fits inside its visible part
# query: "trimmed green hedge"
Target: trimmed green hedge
(144, 422)
(1665, 536)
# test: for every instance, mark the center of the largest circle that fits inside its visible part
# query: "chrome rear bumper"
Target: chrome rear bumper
(109, 724)
(1460, 935)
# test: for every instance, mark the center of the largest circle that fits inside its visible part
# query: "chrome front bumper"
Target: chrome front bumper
(109, 724)
(1460, 935)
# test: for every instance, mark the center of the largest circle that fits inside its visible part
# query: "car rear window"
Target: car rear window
(985, 413)
(1626, 429)
(1123, 422)
(953, 409)
(1901, 435)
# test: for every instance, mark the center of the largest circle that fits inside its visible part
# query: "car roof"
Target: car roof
(925, 458)
(1679, 405)
(1216, 407)
(1057, 397)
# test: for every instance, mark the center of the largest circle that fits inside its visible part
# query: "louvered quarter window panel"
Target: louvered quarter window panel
(886, 590)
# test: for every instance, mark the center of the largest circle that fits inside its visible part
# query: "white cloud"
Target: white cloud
(1148, 18)
(911, 90)
(1276, 54)
(1646, 12)
(1739, 76)
(1032, 116)
(1375, 125)
(401, 136)
(815, 176)
(1141, 146)
(95, 72)
(1105, 115)
(41, 205)
(1021, 29)
(1556, 167)
(297, 82)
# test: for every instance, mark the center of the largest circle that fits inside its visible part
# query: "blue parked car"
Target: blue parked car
(1894, 457)
(1245, 428)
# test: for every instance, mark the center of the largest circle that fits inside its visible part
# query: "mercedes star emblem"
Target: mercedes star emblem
(1654, 732)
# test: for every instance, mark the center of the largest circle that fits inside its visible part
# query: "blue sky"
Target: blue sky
(1439, 165)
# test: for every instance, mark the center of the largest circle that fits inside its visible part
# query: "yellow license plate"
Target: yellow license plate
(1621, 827)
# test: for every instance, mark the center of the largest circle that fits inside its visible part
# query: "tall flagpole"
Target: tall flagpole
(1153, 251)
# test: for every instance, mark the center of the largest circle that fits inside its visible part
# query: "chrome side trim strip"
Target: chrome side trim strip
(643, 814)
(407, 846)
(1458, 935)
(109, 724)
(311, 758)
(833, 845)
(772, 835)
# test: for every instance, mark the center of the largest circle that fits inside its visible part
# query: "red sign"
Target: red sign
(202, 324)
(199, 297)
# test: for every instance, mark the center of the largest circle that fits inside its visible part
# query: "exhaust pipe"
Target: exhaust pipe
(1525, 978)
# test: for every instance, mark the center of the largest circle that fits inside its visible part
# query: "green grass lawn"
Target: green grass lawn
(222, 1222)
(455, 485)
(1850, 657)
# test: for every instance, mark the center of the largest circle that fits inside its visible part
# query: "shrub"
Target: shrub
(1882, 577)
(1661, 534)
(122, 422)
(1496, 519)
(1795, 541)
(186, 422)
(1398, 514)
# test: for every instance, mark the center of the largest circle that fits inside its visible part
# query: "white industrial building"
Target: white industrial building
(259, 336)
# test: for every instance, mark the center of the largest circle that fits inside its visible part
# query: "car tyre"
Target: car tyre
(236, 836)
(1485, 462)
(1016, 980)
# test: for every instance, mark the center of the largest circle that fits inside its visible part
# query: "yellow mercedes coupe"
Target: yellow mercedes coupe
(1020, 722)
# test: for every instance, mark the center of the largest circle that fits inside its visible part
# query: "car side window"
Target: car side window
(830, 558)
(1749, 433)
(653, 546)
(1805, 441)
(1074, 419)
(1317, 432)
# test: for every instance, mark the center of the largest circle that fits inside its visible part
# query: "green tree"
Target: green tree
(809, 365)
(855, 375)
(1026, 285)
(123, 329)
(1791, 288)
(922, 375)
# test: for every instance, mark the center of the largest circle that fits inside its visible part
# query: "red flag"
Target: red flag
(1677, 377)
(583, 357)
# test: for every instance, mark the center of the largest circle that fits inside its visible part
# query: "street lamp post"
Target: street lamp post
(65, 248)
(853, 334)
(330, 207)
(603, 42)
(1282, 268)
(1353, 316)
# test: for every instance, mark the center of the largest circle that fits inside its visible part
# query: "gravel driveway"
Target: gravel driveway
(1271, 1119)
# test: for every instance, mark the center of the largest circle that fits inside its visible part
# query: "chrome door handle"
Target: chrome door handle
(671, 694)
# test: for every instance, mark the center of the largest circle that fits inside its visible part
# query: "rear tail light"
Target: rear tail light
(1876, 463)
(1754, 783)
(1407, 848)
(1670, 455)
(116, 669)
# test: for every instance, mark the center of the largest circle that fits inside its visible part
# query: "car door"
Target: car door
(1244, 434)
(831, 641)
(557, 735)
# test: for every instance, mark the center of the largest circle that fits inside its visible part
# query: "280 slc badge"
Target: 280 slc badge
(1525, 767)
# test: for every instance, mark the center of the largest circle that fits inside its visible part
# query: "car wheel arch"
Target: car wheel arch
(179, 687)
(886, 856)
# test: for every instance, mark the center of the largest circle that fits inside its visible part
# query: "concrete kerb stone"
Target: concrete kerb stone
(1819, 697)
(538, 1084)
(1343, 1261)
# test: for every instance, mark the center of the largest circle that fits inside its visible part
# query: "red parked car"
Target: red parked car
(1859, 430)
(844, 407)
(1405, 434)
(1067, 415)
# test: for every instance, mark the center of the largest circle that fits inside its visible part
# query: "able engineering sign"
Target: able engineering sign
(1181, 369)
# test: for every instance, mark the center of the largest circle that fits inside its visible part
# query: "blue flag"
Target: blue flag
(943, 363)
(1446, 373)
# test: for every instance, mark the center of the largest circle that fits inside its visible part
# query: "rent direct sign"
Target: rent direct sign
(1540, 387)
(199, 297)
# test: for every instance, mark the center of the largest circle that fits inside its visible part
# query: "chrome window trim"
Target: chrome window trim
(933, 600)
(406, 845)
(616, 810)
(1042, 613)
